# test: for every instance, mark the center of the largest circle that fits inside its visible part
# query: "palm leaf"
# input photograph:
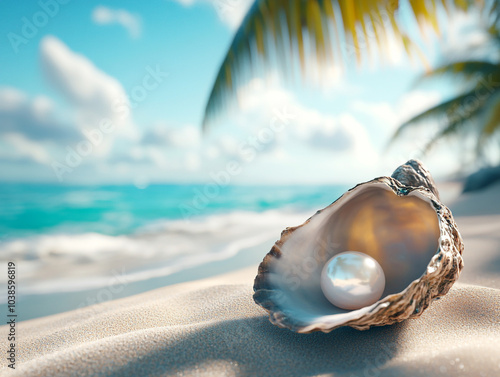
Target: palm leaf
(453, 127)
(469, 70)
(456, 113)
(433, 113)
(456, 124)
(272, 24)
(492, 121)
(452, 112)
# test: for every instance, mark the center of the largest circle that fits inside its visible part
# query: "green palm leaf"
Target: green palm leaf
(457, 113)
(454, 126)
(475, 111)
(471, 70)
(271, 25)
(440, 112)
(492, 121)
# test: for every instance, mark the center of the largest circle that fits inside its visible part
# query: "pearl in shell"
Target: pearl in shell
(352, 280)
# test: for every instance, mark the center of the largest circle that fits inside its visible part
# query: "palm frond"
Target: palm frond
(451, 113)
(453, 127)
(470, 71)
(492, 121)
(270, 25)
(436, 112)
(455, 114)
(495, 13)
(457, 123)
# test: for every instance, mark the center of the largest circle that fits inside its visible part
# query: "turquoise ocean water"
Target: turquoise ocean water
(74, 238)
(27, 210)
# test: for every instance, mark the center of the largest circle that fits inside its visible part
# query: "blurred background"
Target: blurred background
(132, 159)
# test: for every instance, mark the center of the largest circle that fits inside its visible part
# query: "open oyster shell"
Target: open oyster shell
(397, 220)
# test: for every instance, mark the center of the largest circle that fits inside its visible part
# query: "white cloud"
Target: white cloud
(407, 107)
(386, 118)
(226, 146)
(466, 38)
(11, 98)
(26, 148)
(163, 148)
(416, 102)
(341, 134)
(230, 12)
(106, 16)
(383, 112)
(346, 145)
(32, 117)
(260, 99)
(187, 136)
(158, 157)
(32, 129)
(336, 133)
(192, 162)
(441, 160)
(95, 95)
(312, 146)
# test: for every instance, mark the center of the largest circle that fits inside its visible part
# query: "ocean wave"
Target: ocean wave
(62, 262)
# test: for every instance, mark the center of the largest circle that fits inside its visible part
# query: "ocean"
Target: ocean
(68, 239)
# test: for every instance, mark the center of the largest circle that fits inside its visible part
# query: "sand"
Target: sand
(212, 327)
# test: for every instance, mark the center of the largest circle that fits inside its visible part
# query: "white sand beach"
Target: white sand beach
(212, 327)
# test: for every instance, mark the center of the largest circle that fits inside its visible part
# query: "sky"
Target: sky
(108, 92)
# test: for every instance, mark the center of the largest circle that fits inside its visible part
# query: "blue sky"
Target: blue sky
(171, 35)
(77, 68)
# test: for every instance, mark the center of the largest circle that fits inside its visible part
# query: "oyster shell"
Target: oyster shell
(397, 220)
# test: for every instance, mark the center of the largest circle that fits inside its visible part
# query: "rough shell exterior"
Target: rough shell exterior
(442, 271)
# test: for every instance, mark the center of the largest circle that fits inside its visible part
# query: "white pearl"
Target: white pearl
(352, 280)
